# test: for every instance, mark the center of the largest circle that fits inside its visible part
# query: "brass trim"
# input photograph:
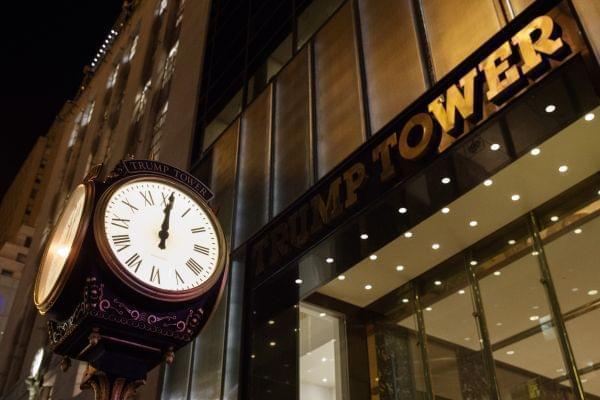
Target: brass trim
(45, 305)
(121, 271)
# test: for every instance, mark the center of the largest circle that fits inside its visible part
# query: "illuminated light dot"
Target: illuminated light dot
(563, 168)
(535, 151)
(428, 309)
(63, 251)
(575, 289)
(437, 283)
(495, 147)
(271, 322)
(368, 287)
(408, 234)
(461, 291)
(402, 210)
(473, 262)
(373, 257)
(446, 180)
(488, 182)
(322, 315)
(342, 277)
(445, 210)
(589, 117)
(329, 260)
(364, 236)
(435, 246)
(515, 197)
(577, 231)
(554, 218)
(534, 318)
(272, 344)
(405, 300)
(399, 268)
(535, 253)
(323, 359)
(512, 241)
(550, 108)
(592, 292)
(467, 339)
(510, 352)
(497, 273)
(498, 323)
(298, 281)
(473, 223)
(324, 380)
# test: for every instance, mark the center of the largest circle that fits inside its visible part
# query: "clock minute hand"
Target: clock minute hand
(163, 234)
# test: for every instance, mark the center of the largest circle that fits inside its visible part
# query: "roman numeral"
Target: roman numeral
(121, 240)
(198, 230)
(147, 198)
(128, 204)
(201, 249)
(194, 266)
(165, 199)
(134, 261)
(120, 222)
(155, 275)
(186, 211)
(178, 278)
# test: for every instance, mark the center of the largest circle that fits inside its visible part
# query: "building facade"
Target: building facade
(410, 191)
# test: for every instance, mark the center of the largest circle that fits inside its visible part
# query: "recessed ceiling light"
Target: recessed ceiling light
(373, 257)
(368, 287)
(473, 262)
(577, 231)
(324, 380)
(437, 283)
(322, 315)
(488, 182)
(536, 307)
(583, 380)
(535, 151)
(342, 277)
(494, 147)
(446, 180)
(515, 197)
(461, 291)
(435, 246)
(428, 309)
(592, 292)
(298, 281)
(405, 300)
(498, 323)
(575, 289)
(408, 234)
(512, 241)
(589, 117)
(467, 339)
(535, 253)
(473, 224)
(497, 273)
(272, 344)
(329, 260)
(445, 210)
(510, 352)
(550, 108)
(534, 318)
(364, 236)
(598, 192)
(399, 268)
(563, 168)
(253, 356)
(271, 322)
(402, 210)
(324, 359)
(554, 218)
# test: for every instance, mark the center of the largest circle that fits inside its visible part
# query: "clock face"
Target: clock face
(61, 244)
(161, 240)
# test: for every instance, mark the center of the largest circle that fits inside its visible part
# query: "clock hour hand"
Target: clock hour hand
(163, 234)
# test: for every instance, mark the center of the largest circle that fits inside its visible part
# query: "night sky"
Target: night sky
(45, 45)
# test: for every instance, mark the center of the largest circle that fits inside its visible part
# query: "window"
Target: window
(157, 132)
(21, 257)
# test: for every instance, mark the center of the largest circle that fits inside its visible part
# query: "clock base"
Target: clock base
(109, 387)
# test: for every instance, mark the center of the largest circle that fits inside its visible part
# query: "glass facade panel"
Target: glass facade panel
(451, 38)
(339, 111)
(272, 66)
(291, 140)
(392, 57)
(252, 211)
(222, 121)
(311, 19)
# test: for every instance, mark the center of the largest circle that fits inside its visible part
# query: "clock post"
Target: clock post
(132, 271)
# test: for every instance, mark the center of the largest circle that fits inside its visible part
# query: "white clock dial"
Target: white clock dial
(58, 248)
(160, 235)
